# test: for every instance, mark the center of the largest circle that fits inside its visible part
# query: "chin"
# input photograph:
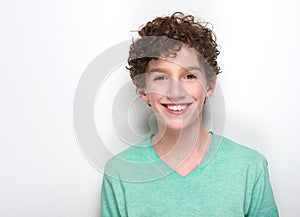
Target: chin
(191, 120)
(181, 125)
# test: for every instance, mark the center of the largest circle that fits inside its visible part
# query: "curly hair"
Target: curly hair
(164, 37)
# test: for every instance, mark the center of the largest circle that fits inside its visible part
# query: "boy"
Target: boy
(182, 170)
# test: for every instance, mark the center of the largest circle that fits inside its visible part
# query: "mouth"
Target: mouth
(177, 108)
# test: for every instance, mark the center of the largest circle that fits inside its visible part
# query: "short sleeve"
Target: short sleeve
(109, 204)
(262, 200)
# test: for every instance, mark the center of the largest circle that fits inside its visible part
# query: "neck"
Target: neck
(181, 143)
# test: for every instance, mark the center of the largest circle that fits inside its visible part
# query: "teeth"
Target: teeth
(176, 107)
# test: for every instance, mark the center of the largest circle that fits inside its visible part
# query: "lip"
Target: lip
(183, 107)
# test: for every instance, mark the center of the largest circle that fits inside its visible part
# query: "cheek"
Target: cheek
(154, 97)
(196, 91)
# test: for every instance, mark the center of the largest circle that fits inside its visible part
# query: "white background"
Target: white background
(46, 45)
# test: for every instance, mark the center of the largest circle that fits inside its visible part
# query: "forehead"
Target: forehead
(186, 58)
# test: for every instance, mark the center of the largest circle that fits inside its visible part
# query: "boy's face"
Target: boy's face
(176, 88)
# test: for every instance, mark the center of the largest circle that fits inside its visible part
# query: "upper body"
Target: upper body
(231, 181)
(184, 170)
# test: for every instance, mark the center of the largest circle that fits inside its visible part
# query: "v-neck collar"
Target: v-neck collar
(213, 148)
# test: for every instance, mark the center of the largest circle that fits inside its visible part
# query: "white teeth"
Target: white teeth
(176, 107)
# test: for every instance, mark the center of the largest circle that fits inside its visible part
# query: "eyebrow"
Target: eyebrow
(194, 68)
(190, 68)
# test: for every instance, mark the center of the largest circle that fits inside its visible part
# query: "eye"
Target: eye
(160, 78)
(190, 76)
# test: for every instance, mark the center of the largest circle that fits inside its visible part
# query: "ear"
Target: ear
(210, 90)
(143, 95)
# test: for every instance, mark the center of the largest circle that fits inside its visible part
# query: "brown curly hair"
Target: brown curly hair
(164, 37)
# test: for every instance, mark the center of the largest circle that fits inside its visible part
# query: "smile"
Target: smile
(178, 108)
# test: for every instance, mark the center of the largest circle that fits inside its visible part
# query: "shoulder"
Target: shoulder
(240, 162)
(139, 152)
(131, 158)
(237, 153)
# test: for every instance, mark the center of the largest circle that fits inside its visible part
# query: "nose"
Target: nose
(175, 90)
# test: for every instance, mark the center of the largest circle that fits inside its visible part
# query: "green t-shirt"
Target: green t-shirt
(231, 181)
